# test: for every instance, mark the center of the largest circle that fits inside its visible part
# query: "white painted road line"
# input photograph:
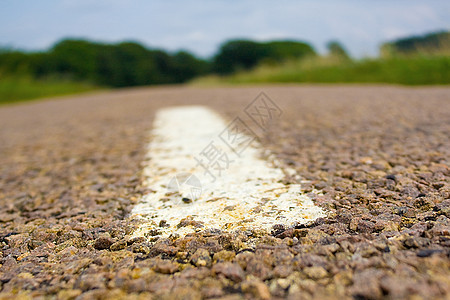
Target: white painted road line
(236, 192)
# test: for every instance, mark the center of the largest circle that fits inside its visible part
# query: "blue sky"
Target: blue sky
(200, 25)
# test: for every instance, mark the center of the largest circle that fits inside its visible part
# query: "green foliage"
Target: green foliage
(337, 50)
(14, 61)
(283, 50)
(238, 55)
(432, 43)
(78, 65)
(187, 66)
(427, 62)
(119, 65)
(73, 58)
(419, 70)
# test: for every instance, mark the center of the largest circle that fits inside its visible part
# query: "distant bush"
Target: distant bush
(239, 55)
(336, 50)
(432, 43)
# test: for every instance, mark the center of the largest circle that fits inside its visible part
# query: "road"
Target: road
(375, 159)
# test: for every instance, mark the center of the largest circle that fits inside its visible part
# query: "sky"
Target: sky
(200, 26)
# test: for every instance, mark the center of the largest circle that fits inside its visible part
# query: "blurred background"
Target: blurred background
(53, 47)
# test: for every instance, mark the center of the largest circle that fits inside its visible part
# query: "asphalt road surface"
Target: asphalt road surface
(374, 158)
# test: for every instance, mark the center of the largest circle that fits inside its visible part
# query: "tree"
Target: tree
(283, 50)
(77, 58)
(187, 66)
(238, 54)
(244, 54)
(335, 49)
(431, 43)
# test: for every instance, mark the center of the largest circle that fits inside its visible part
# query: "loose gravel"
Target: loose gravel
(376, 158)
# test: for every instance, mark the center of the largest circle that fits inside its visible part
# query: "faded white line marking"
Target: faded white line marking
(248, 195)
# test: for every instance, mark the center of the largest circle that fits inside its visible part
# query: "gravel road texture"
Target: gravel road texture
(376, 159)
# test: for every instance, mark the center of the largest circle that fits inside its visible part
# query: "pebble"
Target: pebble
(201, 258)
(229, 270)
(120, 245)
(256, 288)
(315, 272)
(103, 243)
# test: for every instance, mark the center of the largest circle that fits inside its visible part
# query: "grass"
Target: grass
(15, 88)
(411, 70)
(408, 70)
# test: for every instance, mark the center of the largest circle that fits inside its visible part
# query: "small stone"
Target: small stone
(290, 242)
(152, 232)
(353, 224)
(163, 223)
(284, 283)
(411, 243)
(332, 248)
(69, 251)
(440, 230)
(278, 229)
(438, 185)
(391, 177)
(366, 284)
(428, 252)
(89, 281)
(294, 292)
(166, 267)
(140, 248)
(368, 251)
(282, 271)
(181, 255)
(256, 288)
(396, 288)
(201, 258)
(25, 275)
(69, 294)
(244, 259)
(229, 270)
(401, 210)
(443, 207)
(366, 226)
(189, 221)
(103, 243)
(120, 245)
(382, 225)
(315, 272)
(405, 212)
(5, 217)
(186, 200)
(308, 285)
(223, 256)
(139, 239)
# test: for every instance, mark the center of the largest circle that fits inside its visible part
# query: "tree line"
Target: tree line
(117, 65)
(132, 64)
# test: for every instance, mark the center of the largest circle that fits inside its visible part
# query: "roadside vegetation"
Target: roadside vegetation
(411, 61)
(416, 70)
(73, 66)
(22, 87)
